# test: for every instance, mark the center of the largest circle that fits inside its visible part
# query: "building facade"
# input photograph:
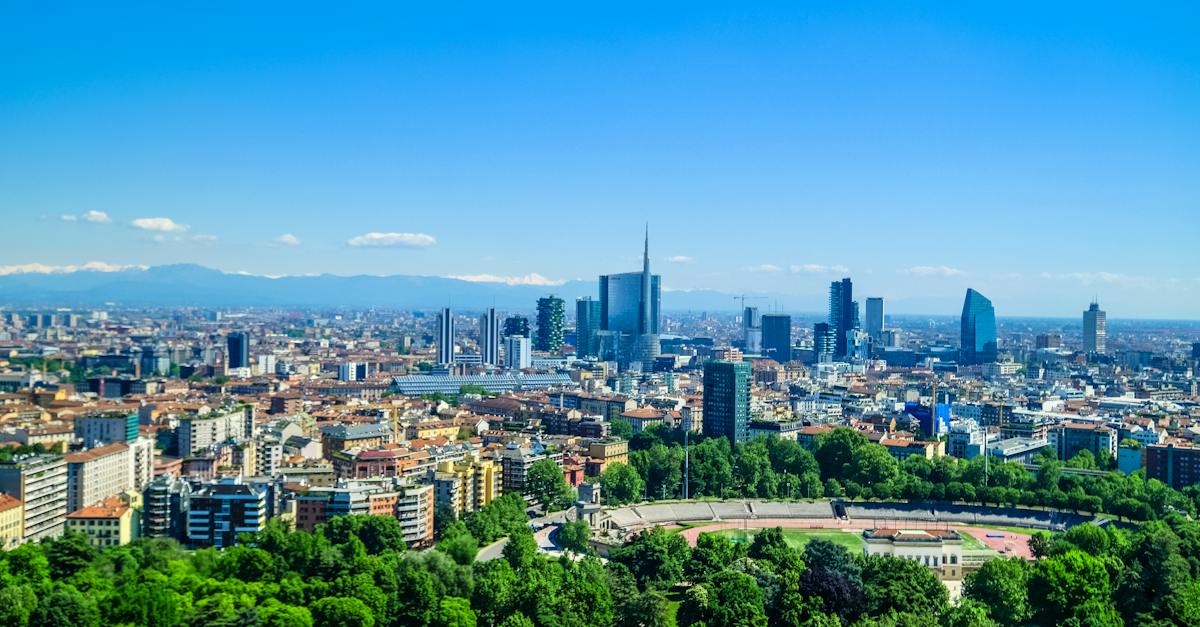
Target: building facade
(40, 483)
(727, 400)
(551, 316)
(978, 339)
(777, 337)
(1095, 330)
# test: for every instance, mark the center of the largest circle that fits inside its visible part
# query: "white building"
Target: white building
(96, 474)
(517, 352)
(198, 433)
(939, 549)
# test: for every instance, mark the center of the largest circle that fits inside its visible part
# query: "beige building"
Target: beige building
(12, 522)
(468, 485)
(111, 522)
(939, 549)
(96, 474)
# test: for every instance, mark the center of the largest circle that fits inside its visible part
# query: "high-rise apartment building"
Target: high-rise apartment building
(629, 311)
(197, 433)
(1095, 330)
(96, 474)
(727, 400)
(518, 354)
(978, 339)
(238, 344)
(516, 325)
(100, 428)
(224, 509)
(551, 315)
(166, 502)
(777, 337)
(587, 323)
(752, 330)
(445, 336)
(489, 338)
(824, 342)
(40, 483)
(842, 314)
(874, 321)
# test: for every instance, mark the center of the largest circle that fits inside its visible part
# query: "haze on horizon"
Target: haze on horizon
(1042, 155)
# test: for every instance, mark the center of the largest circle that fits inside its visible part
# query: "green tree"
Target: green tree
(65, 606)
(620, 484)
(968, 613)
(458, 543)
(340, 612)
(494, 594)
(454, 612)
(654, 556)
(575, 535)
(644, 609)
(521, 549)
(736, 600)
(1061, 584)
(1002, 586)
(546, 482)
(903, 586)
(516, 620)
(68, 554)
(17, 603)
(836, 450)
(273, 613)
(713, 553)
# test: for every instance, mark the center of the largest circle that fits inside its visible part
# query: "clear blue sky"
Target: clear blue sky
(1042, 153)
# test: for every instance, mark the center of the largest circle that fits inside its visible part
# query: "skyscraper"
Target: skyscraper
(587, 323)
(841, 314)
(551, 313)
(517, 355)
(874, 322)
(978, 342)
(727, 400)
(445, 336)
(1095, 330)
(824, 342)
(239, 350)
(752, 330)
(629, 309)
(777, 337)
(516, 325)
(489, 338)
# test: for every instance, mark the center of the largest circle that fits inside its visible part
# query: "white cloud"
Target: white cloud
(532, 278)
(942, 271)
(44, 268)
(817, 268)
(392, 240)
(97, 217)
(763, 267)
(70, 218)
(680, 259)
(287, 239)
(161, 225)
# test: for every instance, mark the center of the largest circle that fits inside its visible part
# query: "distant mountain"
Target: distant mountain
(193, 285)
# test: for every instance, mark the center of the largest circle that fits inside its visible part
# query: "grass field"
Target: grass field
(971, 543)
(799, 537)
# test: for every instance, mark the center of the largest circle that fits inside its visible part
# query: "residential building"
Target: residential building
(515, 463)
(1175, 465)
(518, 353)
(109, 523)
(468, 485)
(221, 510)
(197, 434)
(166, 502)
(343, 436)
(727, 400)
(40, 483)
(96, 474)
(551, 316)
(516, 325)
(1071, 438)
(978, 339)
(12, 522)
(777, 337)
(106, 428)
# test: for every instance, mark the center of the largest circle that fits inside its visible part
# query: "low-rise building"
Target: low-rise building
(111, 522)
(222, 510)
(12, 522)
(939, 549)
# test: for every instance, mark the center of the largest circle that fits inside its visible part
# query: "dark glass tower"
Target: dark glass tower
(777, 337)
(239, 350)
(823, 342)
(978, 343)
(727, 400)
(516, 325)
(629, 309)
(587, 322)
(842, 314)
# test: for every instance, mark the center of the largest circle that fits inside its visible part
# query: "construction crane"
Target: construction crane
(743, 298)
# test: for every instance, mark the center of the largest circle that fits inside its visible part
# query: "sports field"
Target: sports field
(797, 538)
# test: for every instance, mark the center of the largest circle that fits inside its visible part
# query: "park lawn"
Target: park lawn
(797, 538)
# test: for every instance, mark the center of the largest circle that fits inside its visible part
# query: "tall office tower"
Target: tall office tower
(1195, 350)
(875, 319)
(587, 323)
(824, 342)
(978, 343)
(489, 337)
(777, 337)
(752, 330)
(516, 325)
(517, 353)
(445, 337)
(841, 314)
(858, 345)
(629, 310)
(551, 314)
(239, 350)
(1095, 330)
(727, 400)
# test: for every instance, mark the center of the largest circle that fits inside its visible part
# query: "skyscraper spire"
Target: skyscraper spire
(645, 326)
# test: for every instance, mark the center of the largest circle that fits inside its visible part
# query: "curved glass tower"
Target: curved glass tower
(978, 343)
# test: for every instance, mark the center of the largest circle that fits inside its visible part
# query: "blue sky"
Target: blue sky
(1041, 154)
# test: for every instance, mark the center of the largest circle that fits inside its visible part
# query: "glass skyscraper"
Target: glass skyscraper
(978, 344)
(629, 313)
(843, 314)
(727, 400)
(777, 337)
(587, 323)
(239, 350)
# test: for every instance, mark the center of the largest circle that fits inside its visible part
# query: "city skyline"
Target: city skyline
(979, 136)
